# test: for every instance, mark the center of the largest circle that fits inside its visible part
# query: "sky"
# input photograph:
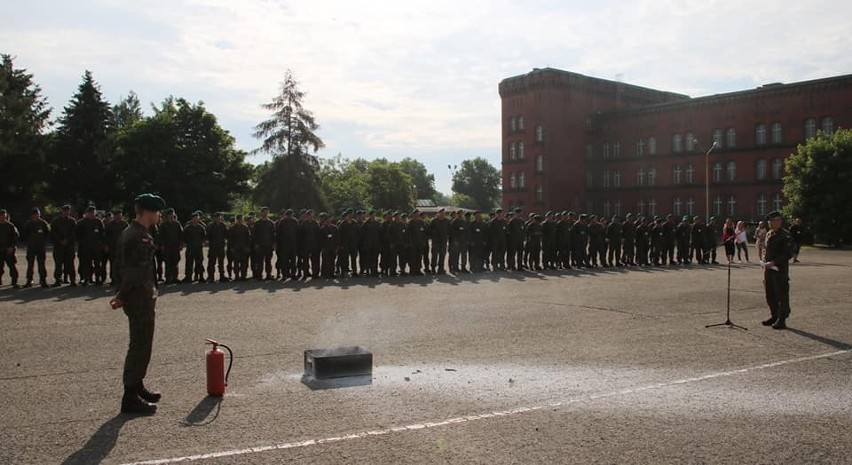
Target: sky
(412, 78)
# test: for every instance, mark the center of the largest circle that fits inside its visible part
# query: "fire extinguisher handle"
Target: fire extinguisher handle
(211, 341)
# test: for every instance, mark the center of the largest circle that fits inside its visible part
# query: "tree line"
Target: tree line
(99, 153)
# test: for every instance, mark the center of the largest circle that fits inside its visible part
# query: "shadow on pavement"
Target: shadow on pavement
(823, 340)
(205, 413)
(98, 447)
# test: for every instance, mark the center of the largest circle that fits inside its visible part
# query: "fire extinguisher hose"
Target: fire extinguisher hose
(230, 362)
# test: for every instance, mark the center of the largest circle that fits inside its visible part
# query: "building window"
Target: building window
(690, 174)
(589, 180)
(652, 177)
(513, 151)
(590, 152)
(761, 204)
(606, 178)
(520, 123)
(521, 180)
(539, 163)
(513, 124)
(539, 133)
(652, 207)
(717, 172)
(616, 208)
(717, 137)
(777, 168)
(777, 203)
(760, 134)
(690, 206)
(520, 150)
(640, 206)
(590, 205)
(810, 128)
(732, 206)
(690, 142)
(607, 209)
(606, 150)
(777, 136)
(513, 181)
(616, 178)
(717, 205)
(677, 206)
(640, 148)
(652, 146)
(616, 150)
(676, 148)
(760, 171)
(731, 170)
(640, 177)
(539, 194)
(827, 125)
(731, 138)
(676, 175)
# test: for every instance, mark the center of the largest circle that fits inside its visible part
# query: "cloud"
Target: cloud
(415, 78)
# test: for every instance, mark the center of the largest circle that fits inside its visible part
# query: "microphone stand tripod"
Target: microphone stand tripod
(728, 321)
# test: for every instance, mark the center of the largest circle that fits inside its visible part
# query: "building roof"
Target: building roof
(766, 90)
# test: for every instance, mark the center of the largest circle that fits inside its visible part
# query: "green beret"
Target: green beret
(150, 202)
(774, 214)
(518, 210)
(323, 214)
(34, 211)
(117, 211)
(196, 213)
(66, 208)
(169, 211)
(264, 209)
(91, 208)
(686, 218)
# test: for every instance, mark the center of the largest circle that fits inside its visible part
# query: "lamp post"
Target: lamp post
(706, 178)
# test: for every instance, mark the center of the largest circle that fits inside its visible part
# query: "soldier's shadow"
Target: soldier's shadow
(99, 446)
(824, 340)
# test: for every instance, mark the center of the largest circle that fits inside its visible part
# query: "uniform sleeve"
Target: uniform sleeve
(134, 264)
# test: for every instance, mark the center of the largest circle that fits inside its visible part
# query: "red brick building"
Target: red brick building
(586, 144)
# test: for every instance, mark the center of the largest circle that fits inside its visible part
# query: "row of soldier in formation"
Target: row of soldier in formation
(306, 245)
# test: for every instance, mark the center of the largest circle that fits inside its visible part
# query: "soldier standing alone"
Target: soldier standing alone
(137, 295)
(776, 272)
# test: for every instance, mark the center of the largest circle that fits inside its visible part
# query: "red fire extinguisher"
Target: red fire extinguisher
(217, 377)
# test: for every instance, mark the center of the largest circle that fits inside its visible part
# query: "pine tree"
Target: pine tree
(23, 117)
(290, 131)
(82, 149)
(291, 178)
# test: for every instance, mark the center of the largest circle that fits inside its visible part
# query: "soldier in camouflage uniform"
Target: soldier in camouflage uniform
(137, 295)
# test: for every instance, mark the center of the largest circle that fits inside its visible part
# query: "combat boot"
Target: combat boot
(148, 395)
(132, 404)
(780, 324)
(771, 321)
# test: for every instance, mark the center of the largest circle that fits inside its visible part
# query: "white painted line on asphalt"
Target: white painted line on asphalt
(472, 418)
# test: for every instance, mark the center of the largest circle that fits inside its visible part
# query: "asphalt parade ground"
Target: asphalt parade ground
(592, 366)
